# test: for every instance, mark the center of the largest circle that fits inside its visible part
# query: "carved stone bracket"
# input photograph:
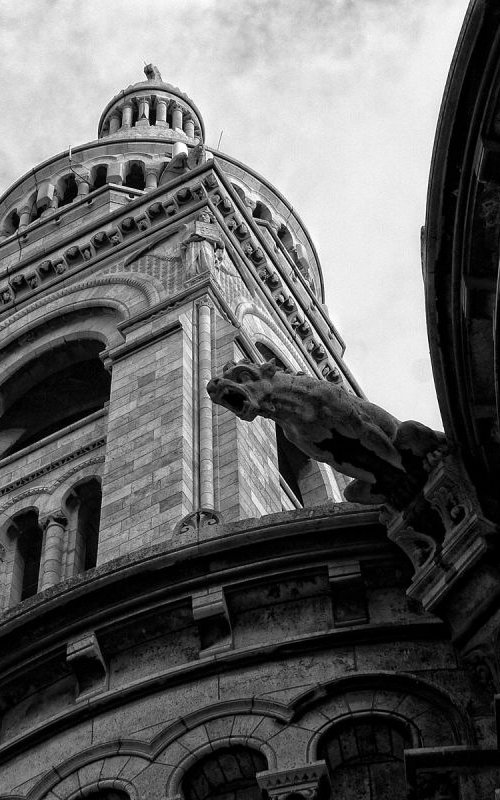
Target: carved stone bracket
(198, 519)
(84, 656)
(443, 531)
(310, 781)
(211, 614)
(450, 492)
(483, 666)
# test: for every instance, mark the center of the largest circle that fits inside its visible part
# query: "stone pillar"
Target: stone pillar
(114, 122)
(144, 108)
(115, 172)
(83, 182)
(127, 114)
(54, 528)
(179, 147)
(177, 116)
(206, 406)
(45, 194)
(151, 179)
(55, 201)
(189, 127)
(161, 110)
(24, 217)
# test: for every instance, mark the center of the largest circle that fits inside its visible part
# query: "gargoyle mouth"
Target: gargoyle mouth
(232, 396)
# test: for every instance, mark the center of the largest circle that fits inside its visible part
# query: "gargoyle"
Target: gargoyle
(388, 458)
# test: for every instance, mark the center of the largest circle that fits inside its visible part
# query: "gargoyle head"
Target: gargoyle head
(245, 388)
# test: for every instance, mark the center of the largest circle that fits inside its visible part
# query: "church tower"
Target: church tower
(135, 266)
(188, 607)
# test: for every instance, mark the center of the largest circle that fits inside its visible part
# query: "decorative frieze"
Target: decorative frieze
(51, 466)
(309, 782)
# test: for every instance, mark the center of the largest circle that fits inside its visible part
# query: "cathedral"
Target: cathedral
(196, 604)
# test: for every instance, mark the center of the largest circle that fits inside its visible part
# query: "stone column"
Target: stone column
(114, 122)
(207, 498)
(189, 127)
(24, 217)
(127, 114)
(161, 110)
(177, 116)
(54, 528)
(151, 179)
(144, 108)
(83, 182)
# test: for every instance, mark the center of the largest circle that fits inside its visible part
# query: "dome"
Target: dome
(153, 107)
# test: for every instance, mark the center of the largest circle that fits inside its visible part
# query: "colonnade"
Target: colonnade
(169, 114)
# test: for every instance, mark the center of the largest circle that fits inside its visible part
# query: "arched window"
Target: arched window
(365, 756)
(262, 212)
(28, 537)
(85, 505)
(225, 774)
(135, 175)
(239, 191)
(11, 223)
(55, 389)
(285, 237)
(67, 190)
(99, 176)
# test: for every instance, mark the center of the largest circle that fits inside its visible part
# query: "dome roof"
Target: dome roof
(156, 85)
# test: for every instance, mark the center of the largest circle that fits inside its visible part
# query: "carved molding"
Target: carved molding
(24, 479)
(278, 784)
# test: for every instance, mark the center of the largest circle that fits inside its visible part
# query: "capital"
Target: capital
(53, 518)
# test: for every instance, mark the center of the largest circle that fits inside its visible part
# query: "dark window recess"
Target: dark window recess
(152, 115)
(366, 755)
(57, 388)
(262, 212)
(100, 176)
(87, 498)
(291, 460)
(226, 774)
(29, 549)
(68, 190)
(349, 602)
(135, 177)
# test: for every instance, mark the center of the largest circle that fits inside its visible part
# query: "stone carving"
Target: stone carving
(152, 72)
(198, 519)
(356, 437)
(201, 246)
(309, 782)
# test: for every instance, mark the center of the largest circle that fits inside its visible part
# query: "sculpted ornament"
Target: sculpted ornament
(387, 458)
(201, 247)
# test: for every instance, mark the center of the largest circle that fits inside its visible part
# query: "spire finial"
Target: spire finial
(152, 73)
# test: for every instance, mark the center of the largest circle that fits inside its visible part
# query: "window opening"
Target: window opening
(29, 539)
(57, 388)
(100, 176)
(135, 176)
(366, 755)
(69, 190)
(87, 498)
(226, 774)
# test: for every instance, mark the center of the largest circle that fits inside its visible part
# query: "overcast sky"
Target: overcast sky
(334, 101)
